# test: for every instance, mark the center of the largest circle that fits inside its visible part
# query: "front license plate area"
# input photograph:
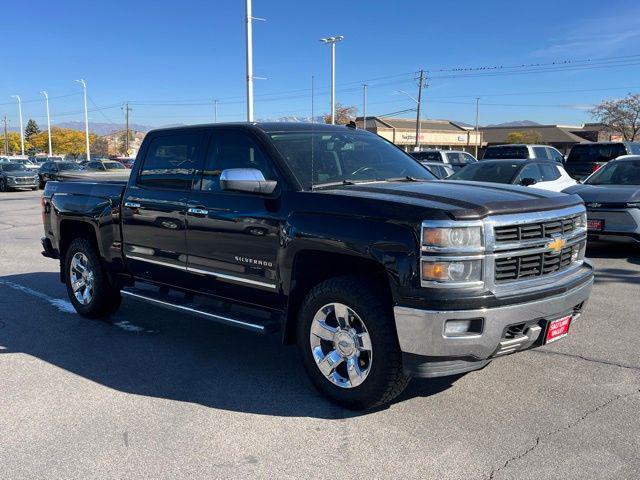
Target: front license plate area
(558, 328)
(595, 225)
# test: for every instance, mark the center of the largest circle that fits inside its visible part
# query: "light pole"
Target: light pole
(417, 144)
(249, 32)
(86, 116)
(17, 97)
(46, 100)
(332, 41)
(364, 106)
(477, 115)
(215, 111)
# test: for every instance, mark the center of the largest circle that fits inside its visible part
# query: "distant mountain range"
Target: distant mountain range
(516, 123)
(103, 128)
(108, 128)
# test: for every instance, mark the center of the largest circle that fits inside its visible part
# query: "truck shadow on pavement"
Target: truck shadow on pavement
(145, 350)
(615, 251)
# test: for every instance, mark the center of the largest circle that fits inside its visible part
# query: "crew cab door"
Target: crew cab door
(232, 236)
(155, 204)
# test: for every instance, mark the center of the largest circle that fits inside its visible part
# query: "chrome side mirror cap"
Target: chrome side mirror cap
(250, 180)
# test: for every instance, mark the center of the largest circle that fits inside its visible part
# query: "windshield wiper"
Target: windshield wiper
(406, 178)
(333, 184)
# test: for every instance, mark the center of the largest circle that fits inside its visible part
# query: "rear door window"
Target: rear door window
(511, 152)
(634, 149)
(171, 161)
(453, 157)
(530, 170)
(549, 172)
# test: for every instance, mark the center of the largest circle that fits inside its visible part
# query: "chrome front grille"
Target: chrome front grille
(536, 230)
(528, 265)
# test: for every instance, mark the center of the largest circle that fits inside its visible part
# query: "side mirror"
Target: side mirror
(528, 181)
(248, 180)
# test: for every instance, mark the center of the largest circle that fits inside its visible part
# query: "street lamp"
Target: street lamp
(46, 99)
(86, 116)
(332, 41)
(17, 97)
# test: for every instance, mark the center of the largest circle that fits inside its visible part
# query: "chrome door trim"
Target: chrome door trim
(224, 276)
(155, 262)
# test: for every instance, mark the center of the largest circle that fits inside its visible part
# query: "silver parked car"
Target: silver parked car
(612, 198)
(15, 176)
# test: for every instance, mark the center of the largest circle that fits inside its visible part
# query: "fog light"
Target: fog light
(461, 328)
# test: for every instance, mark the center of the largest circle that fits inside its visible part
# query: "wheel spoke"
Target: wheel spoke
(78, 284)
(329, 363)
(356, 376)
(321, 330)
(364, 341)
(342, 314)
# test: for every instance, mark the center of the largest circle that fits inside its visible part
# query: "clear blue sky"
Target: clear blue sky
(193, 51)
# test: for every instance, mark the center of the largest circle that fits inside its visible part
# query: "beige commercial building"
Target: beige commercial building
(433, 133)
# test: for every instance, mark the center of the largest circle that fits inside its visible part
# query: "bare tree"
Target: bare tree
(621, 115)
(344, 115)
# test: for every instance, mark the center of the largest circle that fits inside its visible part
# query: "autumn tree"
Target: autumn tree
(344, 115)
(620, 115)
(524, 136)
(13, 141)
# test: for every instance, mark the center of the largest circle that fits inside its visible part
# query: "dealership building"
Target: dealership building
(442, 134)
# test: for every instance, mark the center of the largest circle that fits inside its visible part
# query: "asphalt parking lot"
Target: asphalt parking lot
(157, 394)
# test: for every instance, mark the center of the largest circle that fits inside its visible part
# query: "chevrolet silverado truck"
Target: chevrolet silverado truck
(332, 237)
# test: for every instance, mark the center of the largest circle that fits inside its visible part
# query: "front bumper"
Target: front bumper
(18, 184)
(618, 223)
(427, 352)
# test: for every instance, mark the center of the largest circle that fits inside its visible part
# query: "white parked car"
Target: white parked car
(544, 174)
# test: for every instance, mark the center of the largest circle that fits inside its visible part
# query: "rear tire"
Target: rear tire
(355, 373)
(88, 285)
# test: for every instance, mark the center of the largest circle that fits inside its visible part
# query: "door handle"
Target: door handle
(197, 212)
(132, 205)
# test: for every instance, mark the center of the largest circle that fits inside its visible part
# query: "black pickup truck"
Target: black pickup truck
(334, 238)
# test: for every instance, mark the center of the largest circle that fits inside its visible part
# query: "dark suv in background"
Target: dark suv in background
(522, 151)
(584, 159)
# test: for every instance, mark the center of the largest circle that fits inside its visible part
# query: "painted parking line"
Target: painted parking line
(62, 305)
(65, 306)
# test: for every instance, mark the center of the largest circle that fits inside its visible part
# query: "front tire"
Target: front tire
(348, 342)
(88, 285)
(3, 186)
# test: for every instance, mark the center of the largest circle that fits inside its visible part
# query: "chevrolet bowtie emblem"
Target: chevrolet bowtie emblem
(556, 245)
(594, 205)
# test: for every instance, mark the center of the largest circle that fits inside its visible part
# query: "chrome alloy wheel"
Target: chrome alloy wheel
(81, 277)
(341, 345)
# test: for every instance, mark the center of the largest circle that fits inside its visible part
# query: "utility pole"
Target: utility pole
(215, 111)
(6, 137)
(418, 126)
(313, 118)
(17, 97)
(126, 109)
(364, 106)
(86, 116)
(332, 41)
(477, 116)
(249, 32)
(46, 100)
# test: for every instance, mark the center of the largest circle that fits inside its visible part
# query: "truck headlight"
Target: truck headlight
(452, 271)
(457, 238)
(633, 205)
(581, 220)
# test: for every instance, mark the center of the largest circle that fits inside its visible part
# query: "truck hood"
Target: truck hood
(462, 200)
(607, 193)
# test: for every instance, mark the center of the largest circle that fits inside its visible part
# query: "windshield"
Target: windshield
(113, 166)
(345, 157)
(13, 167)
(495, 172)
(625, 172)
(514, 152)
(69, 166)
(596, 153)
